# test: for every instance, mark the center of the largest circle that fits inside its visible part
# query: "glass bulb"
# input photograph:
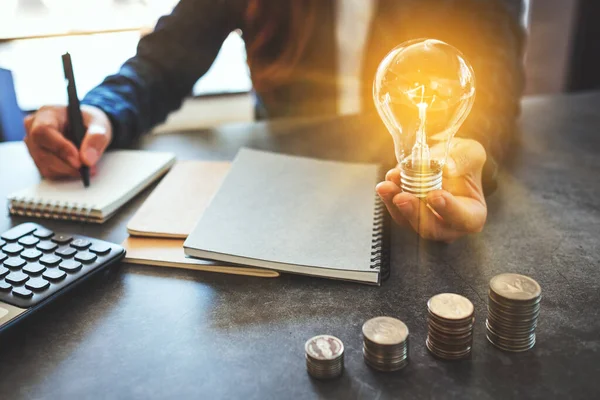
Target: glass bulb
(423, 90)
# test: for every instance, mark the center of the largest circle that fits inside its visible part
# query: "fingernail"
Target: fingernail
(91, 156)
(438, 202)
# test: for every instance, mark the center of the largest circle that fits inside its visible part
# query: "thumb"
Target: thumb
(94, 143)
(465, 157)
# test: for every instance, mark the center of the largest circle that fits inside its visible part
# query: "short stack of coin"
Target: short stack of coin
(450, 326)
(385, 343)
(324, 357)
(513, 311)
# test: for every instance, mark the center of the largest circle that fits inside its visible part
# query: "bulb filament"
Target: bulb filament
(420, 151)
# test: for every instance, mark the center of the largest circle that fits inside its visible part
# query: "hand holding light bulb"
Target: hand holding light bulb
(448, 214)
(424, 90)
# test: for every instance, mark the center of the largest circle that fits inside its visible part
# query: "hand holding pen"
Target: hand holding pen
(50, 141)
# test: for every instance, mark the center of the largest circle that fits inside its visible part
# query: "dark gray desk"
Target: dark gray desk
(144, 332)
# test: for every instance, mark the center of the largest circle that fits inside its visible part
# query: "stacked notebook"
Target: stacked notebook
(120, 176)
(168, 215)
(297, 215)
(265, 213)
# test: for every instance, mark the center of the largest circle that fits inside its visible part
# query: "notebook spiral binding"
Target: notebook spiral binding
(29, 207)
(380, 239)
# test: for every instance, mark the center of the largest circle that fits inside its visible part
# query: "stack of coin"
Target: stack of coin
(450, 321)
(385, 343)
(513, 310)
(324, 357)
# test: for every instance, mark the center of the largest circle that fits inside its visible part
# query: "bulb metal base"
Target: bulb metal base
(420, 180)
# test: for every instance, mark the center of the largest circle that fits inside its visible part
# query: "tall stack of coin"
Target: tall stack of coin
(385, 343)
(324, 357)
(450, 322)
(513, 310)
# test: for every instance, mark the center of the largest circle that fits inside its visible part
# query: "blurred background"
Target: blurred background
(562, 46)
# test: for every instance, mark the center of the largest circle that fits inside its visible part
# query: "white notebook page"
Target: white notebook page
(120, 175)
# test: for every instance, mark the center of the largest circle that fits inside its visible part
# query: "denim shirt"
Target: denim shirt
(185, 43)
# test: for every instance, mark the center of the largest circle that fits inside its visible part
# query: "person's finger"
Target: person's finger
(393, 175)
(386, 191)
(461, 213)
(28, 121)
(422, 219)
(52, 166)
(465, 157)
(408, 207)
(94, 143)
(45, 132)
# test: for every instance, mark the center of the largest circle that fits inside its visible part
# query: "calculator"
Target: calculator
(37, 265)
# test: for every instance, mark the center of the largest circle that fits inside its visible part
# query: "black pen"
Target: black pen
(76, 127)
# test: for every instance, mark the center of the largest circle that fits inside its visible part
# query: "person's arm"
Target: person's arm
(491, 35)
(168, 62)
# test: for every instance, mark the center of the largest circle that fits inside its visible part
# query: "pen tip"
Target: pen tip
(85, 176)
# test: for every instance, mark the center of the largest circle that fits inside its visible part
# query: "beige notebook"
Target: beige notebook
(169, 253)
(120, 176)
(169, 214)
(174, 207)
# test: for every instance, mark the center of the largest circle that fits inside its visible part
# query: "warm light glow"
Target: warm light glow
(424, 89)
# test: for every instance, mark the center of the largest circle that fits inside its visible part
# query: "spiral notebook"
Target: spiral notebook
(297, 215)
(120, 176)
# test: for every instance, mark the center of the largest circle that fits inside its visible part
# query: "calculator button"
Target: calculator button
(22, 292)
(16, 278)
(43, 233)
(5, 286)
(85, 257)
(81, 244)
(70, 266)
(31, 254)
(2, 243)
(37, 284)
(62, 239)
(50, 260)
(100, 249)
(3, 271)
(3, 257)
(66, 252)
(12, 249)
(46, 246)
(29, 241)
(54, 274)
(14, 263)
(18, 231)
(34, 268)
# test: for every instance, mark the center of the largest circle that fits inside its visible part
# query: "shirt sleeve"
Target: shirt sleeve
(491, 35)
(168, 62)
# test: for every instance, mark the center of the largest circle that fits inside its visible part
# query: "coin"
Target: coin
(385, 344)
(514, 306)
(450, 326)
(324, 356)
(324, 347)
(450, 306)
(385, 330)
(515, 287)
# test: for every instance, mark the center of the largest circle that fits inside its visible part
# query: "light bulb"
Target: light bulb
(424, 90)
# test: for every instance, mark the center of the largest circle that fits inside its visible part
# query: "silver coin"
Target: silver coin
(448, 355)
(515, 349)
(515, 287)
(324, 347)
(385, 331)
(450, 306)
(384, 366)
